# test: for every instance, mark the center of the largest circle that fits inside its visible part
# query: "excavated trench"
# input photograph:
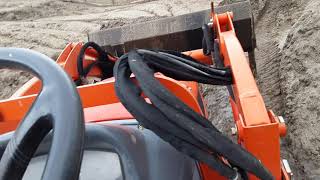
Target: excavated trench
(287, 57)
(288, 65)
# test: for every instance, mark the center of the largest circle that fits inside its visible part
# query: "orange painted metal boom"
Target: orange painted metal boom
(259, 130)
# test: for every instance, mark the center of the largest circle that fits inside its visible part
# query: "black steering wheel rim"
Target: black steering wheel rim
(57, 108)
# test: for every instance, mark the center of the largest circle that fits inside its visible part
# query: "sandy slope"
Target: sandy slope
(288, 66)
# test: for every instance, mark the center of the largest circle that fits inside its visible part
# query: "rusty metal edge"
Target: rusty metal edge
(184, 31)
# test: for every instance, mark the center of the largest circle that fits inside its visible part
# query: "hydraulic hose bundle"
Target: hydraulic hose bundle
(173, 120)
(103, 62)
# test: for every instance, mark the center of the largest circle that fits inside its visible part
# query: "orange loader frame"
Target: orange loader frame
(258, 129)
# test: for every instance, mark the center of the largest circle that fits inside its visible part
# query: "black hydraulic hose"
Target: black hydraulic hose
(172, 58)
(221, 72)
(151, 118)
(103, 62)
(179, 69)
(175, 109)
(203, 141)
(101, 54)
(125, 85)
(219, 63)
(207, 41)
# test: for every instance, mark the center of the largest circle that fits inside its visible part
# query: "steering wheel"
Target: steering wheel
(57, 108)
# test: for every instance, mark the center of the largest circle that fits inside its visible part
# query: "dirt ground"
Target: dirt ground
(288, 66)
(287, 56)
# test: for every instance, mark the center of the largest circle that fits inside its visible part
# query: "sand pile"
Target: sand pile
(300, 84)
(288, 66)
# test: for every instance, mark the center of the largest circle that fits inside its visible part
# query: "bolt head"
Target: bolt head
(234, 131)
